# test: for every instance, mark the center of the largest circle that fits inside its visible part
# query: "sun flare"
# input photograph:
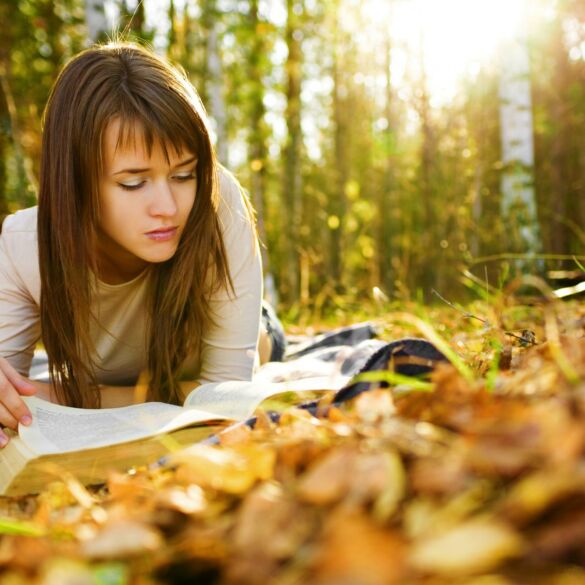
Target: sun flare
(454, 37)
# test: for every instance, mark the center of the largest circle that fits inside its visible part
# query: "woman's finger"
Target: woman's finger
(12, 401)
(6, 419)
(22, 385)
(4, 438)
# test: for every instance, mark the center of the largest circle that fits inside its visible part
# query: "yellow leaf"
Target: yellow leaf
(472, 547)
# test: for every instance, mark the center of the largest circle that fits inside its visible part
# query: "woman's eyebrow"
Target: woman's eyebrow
(132, 171)
(187, 161)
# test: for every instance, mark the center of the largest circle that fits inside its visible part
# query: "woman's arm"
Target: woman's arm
(112, 396)
(19, 316)
(229, 347)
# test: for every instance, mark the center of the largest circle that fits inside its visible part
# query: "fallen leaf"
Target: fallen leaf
(354, 550)
(270, 523)
(233, 471)
(62, 571)
(122, 539)
(471, 547)
(329, 478)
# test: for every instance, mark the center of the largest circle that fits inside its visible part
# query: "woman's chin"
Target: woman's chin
(159, 256)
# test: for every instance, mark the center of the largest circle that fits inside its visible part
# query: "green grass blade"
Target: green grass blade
(20, 528)
(395, 379)
(429, 332)
(579, 263)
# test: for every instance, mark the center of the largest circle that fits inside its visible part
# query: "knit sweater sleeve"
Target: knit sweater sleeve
(19, 290)
(229, 347)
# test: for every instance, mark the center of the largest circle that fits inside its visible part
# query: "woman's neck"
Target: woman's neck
(116, 274)
(115, 265)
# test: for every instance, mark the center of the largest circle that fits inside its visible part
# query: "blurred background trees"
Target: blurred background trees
(367, 132)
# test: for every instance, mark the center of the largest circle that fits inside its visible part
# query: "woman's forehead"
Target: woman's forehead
(130, 140)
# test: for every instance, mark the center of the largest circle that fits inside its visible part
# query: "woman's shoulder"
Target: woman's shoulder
(23, 221)
(19, 250)
(234, 204)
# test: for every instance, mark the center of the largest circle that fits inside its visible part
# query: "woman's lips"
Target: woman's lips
(163, 234)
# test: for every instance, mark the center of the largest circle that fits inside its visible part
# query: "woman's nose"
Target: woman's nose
(163, 201)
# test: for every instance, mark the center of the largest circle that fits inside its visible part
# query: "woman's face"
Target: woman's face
(144, 205)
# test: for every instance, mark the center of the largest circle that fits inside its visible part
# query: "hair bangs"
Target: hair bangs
(167, 121)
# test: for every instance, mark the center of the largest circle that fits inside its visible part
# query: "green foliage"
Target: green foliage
(361, 183)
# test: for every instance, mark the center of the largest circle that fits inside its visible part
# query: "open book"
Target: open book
(89, 443)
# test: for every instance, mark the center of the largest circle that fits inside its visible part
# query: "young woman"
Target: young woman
(142, 257)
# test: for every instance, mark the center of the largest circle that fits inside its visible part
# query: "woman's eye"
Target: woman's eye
(185, 176)
(131, 186)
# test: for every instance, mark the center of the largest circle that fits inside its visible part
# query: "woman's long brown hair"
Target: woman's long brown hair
(126, 82)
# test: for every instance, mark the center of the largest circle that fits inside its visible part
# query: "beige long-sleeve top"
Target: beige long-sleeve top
(119, 330)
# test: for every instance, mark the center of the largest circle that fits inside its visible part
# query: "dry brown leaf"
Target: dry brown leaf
(562, 535)
(329, 478)
(234, 471)
(295, 456)
(14, 578)
(471, 547)
(375, 405)
(23, 553)
(270, 528)
(354, 550)
(534, 494)
(122, 539)
(66, 572)
(270, 524)
(122, 486)
(187, 500)
(440, 476)
(234, 435)
(204, 543)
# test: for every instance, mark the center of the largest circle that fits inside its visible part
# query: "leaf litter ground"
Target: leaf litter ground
(475, 481)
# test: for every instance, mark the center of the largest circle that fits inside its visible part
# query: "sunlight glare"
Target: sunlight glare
(456, 36)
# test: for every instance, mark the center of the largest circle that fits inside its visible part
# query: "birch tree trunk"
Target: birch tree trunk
(95, 19)
(385, 198)
(214, 80)
(517, 142)
(215, 92)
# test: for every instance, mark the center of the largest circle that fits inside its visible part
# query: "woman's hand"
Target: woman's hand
(12, 407)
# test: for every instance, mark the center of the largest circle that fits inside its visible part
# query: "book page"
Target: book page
(59, 429)
(238, 400)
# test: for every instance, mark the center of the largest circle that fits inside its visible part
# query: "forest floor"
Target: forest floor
(476, 478)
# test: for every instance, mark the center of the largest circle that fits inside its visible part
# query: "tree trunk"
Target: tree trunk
(338, 199)
(15, 129)
(385, 198)
(517, 141)
(214, 80)
(172, 35)
(257, 150)
(95, 19)
(426, 257)
(4, 144)
(292, 152)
